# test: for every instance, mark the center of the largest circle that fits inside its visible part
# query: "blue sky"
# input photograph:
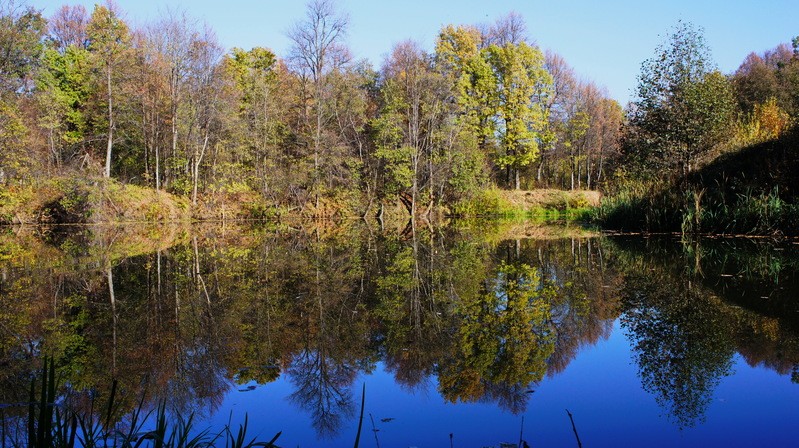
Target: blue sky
(604, 40)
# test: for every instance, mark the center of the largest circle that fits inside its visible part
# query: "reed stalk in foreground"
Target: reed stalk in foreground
(48, 425)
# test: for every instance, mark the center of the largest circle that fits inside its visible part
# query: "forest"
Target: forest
(88, 101)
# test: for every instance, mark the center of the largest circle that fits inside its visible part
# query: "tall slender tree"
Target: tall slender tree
(316, 49)
(109, 42)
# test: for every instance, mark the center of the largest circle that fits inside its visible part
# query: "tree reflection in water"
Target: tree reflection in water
(686, 324)
(323, 390)
(680, 344)
(482, 320)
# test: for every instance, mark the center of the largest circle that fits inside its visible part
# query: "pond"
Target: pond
(477, 334)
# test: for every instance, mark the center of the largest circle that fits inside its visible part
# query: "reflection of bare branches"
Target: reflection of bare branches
(510, 397)
(200, 385)
(413, 366)
(323, 389)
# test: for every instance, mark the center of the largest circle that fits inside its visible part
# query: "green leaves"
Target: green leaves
(500, 93)
(108, 34)
(684, 106)
(21, 32)
(521, 80)
(63, 83)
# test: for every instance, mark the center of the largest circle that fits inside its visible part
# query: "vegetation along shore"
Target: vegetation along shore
(103, 121)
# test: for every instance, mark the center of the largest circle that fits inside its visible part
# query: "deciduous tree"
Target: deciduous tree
(523, 84)
(684, 105)
(109, 42)
(316, 49)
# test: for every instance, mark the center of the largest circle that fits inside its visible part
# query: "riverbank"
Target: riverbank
(72, 200)
(751, 191)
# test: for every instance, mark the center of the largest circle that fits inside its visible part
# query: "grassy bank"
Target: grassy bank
(88, 201)
(97, 200)
(542, 204)
(748, 192)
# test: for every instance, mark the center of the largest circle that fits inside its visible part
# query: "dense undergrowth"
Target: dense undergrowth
(537, 205)
(752, 192)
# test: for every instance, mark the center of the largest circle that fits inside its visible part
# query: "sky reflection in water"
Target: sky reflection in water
(753, 407)
(646, 342)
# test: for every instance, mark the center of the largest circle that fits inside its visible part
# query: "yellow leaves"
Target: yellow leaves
(768, 121)
(772, 119)
(456, 44)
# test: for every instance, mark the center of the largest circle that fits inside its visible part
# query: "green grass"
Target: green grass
(541, 206)
(698, 210)
(49, 424)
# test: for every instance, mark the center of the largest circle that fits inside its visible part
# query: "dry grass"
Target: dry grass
(552, 199)
(73, 200)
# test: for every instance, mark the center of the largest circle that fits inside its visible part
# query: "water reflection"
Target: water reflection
(190, 315)
(689, 308)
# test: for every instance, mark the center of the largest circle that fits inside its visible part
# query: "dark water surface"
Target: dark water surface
(467, 336)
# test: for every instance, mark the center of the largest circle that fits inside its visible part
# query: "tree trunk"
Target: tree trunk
(571, 186)
(110, 143)
(156, 146)
(601, 163)
(196, 168)
(539, 174)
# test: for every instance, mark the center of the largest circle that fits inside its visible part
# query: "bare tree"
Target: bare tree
(204, 93)
(509, 29)
(68, 26)
(172, 38)
(564, 84)
(316, 49)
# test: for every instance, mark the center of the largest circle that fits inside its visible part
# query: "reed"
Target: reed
(695, 211)
(51, 424)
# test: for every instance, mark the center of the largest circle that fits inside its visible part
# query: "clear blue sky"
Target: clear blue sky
(604, 40)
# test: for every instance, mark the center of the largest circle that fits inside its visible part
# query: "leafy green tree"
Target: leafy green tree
(258, 128)
(63, 92)
(109, 43)
(522, 87)
(21, 32)
(684, 106)
(473, 88)
(13, 139)
(411, 118)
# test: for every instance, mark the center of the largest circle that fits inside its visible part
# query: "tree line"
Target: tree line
(686, 112)
(166, 106)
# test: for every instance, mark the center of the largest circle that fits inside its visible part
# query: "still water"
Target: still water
(472, 335)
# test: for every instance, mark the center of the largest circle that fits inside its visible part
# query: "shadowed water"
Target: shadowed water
(472, 335)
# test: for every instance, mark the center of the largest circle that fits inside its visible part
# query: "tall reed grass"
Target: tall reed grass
(698, 210)
(51, 424)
